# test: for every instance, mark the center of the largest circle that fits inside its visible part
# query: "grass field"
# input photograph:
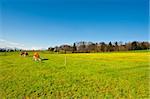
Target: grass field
(119, 75)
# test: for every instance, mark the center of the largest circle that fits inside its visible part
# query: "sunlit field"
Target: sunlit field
(119, 75)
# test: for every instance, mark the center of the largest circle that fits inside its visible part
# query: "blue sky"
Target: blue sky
(43, 23)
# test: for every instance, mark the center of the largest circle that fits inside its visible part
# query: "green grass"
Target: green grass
(98, 75)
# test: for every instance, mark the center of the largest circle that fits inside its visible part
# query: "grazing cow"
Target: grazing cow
(24, 54)
(36, 56)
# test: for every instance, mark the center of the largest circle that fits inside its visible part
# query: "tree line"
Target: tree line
(8, 50)
(90, 47)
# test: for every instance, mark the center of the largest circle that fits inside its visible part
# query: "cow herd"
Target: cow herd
(36, 56)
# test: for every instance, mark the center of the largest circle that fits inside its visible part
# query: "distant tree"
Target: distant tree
(145, 45)
(135, 45)
(97, 47)
(2, 50)
(103, 47)
(91, 47)
(51, 49)
(110, 47)
(65, 48)
(56, 49)
(128, 46)
(121, 46)
(81, 47)
(116, 46)
(74, 47)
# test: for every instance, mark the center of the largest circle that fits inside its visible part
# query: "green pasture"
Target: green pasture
(116, 75)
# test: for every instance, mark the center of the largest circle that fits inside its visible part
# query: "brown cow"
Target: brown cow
(36, 56)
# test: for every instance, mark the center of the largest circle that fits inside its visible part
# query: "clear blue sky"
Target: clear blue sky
(43, 23)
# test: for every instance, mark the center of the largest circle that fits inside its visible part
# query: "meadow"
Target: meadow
(113, 75)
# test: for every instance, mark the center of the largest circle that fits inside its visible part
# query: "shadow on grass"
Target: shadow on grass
(44, 59)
